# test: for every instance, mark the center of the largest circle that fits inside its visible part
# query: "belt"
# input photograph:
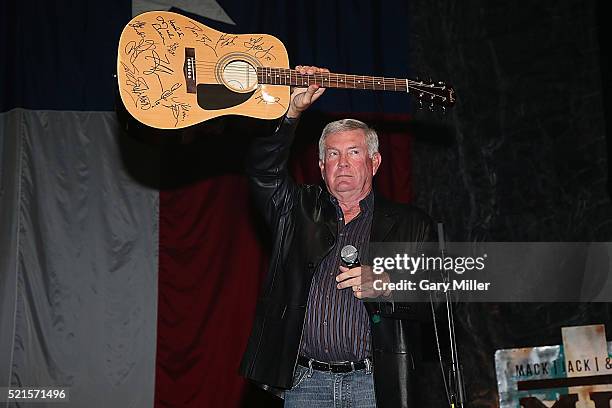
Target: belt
(339, 367)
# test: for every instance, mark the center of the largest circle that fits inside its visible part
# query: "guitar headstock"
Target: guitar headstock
(432, 94)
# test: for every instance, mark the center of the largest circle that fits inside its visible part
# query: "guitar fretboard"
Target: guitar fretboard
(284, 76)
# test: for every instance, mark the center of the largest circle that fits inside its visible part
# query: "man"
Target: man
(313, 336)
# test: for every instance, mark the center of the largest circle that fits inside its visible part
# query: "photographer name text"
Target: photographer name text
(426, 285)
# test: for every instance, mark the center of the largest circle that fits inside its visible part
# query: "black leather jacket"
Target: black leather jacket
(303, 223)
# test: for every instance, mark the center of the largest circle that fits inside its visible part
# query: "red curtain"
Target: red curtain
(213, 255)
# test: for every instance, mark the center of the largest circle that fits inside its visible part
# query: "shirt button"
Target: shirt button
(326, 350)
(341, 234)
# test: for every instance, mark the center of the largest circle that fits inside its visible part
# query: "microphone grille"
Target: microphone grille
(349, 254)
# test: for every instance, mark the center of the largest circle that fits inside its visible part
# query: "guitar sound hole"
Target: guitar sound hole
(240, 76)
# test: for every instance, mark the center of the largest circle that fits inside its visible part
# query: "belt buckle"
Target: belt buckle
(342, 367)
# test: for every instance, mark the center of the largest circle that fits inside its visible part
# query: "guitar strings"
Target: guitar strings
(419, 90)
(211, 67)
(328, 76)
(400, 86)
(386, 84)
(369, 82)
(331, 77)
(214, 65)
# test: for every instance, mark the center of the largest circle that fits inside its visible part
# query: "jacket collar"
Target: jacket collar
(330, 216)
(385, 216)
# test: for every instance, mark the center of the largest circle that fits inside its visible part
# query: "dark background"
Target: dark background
(523, 157)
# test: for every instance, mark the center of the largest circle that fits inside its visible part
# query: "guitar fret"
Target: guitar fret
(289, 77)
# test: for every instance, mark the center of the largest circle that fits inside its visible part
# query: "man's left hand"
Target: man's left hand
(361, 280)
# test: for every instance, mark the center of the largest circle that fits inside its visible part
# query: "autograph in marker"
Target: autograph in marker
(179, 110)
(134, 50)
(161, 26)
(257, 45)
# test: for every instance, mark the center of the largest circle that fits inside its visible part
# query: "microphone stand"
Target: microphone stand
(456, 396)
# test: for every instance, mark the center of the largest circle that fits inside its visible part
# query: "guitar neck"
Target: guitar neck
(438, 94)
(284, 76)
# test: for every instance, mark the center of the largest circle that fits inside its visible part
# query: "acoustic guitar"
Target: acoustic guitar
(174, 72)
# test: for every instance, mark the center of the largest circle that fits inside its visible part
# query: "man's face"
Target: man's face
(347, 167)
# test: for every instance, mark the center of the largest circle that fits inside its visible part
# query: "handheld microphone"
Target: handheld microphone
(350, 256)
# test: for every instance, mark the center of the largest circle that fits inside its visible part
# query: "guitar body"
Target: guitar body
(174, 72)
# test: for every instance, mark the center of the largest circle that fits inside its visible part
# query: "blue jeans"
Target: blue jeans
(324, 389)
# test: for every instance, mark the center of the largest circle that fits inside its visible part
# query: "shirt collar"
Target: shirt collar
(366, 204)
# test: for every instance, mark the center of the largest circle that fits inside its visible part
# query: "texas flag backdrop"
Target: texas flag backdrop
(130, 265)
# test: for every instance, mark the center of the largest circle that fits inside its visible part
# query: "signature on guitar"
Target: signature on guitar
(134, 50)
(257, 45)
(179, 110)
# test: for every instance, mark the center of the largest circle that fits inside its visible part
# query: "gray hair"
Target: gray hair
(343, 125)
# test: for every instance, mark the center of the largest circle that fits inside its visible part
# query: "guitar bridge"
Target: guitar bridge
(189, 70)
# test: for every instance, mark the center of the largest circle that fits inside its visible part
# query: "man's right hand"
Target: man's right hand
(302, 98)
